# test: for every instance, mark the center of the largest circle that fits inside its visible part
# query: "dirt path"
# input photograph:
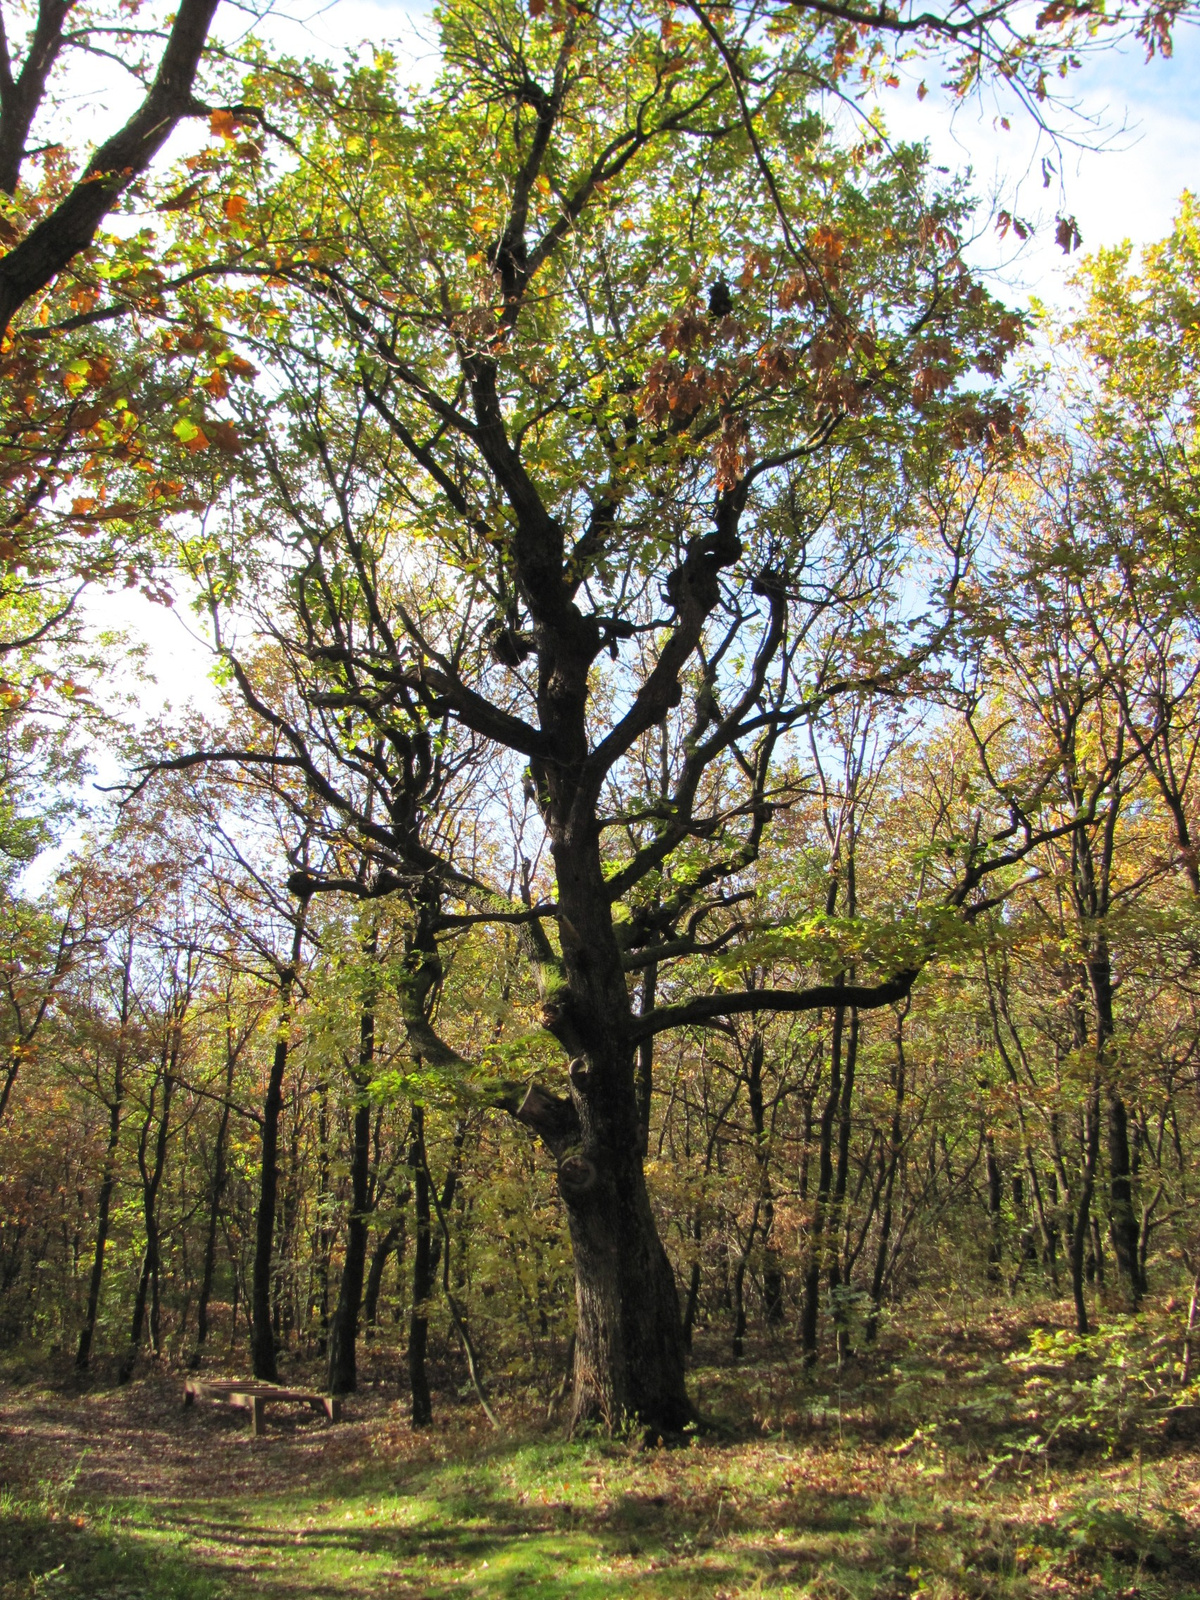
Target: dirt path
(142, 1442)
(125, 1494)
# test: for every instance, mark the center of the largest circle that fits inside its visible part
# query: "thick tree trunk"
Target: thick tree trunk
(629, 1350)
(629, 1359)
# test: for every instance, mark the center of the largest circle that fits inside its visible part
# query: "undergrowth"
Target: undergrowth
(993, 1462)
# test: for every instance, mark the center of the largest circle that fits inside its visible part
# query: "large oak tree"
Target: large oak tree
(619, 419)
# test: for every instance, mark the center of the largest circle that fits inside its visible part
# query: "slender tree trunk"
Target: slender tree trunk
(1122, 1220)
(895, 1148)
(109, 1172)
(645, 1058)
(738, 1345)
(811, 1304)
(392, 1240)
(1081, 1222)
(772, 1273)
(426, 1255)
(323, 1234)
(343, 1333)
(151, 1183)
(262, 1337)
(216, 1192)
(692, 1303)
(995, 1195)
(423, 1275)
(837, 1220)
(108, 1182)
(15, 1058)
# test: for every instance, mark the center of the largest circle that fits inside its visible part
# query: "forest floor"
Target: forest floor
(965, 1463)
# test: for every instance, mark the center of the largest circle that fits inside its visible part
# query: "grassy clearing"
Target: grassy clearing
(923, 1476)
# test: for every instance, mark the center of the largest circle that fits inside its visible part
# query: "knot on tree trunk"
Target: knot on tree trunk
(577, 1176)
(553, 1119)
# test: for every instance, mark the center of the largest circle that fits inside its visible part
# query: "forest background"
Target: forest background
(689, 850)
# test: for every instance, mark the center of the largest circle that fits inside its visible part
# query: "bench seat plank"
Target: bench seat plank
(253, 1395)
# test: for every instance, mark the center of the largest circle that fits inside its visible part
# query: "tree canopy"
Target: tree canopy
(657, 612)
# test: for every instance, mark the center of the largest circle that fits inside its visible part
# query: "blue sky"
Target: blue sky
(1128, 190)
(1148, 115)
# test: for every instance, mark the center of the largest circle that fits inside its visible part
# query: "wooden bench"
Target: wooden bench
(254, 1397)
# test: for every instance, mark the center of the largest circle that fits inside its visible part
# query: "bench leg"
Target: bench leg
(189, 1399)
(258, 1421)
(333, 1408)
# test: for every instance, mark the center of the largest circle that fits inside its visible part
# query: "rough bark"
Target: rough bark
(427, 1254)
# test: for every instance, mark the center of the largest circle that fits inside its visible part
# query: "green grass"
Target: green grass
(50, 1552)
(577, 1522)
(921, 1478)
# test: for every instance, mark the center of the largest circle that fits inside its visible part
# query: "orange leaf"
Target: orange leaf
(225, 436)
(234, 206)
(223, 123)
